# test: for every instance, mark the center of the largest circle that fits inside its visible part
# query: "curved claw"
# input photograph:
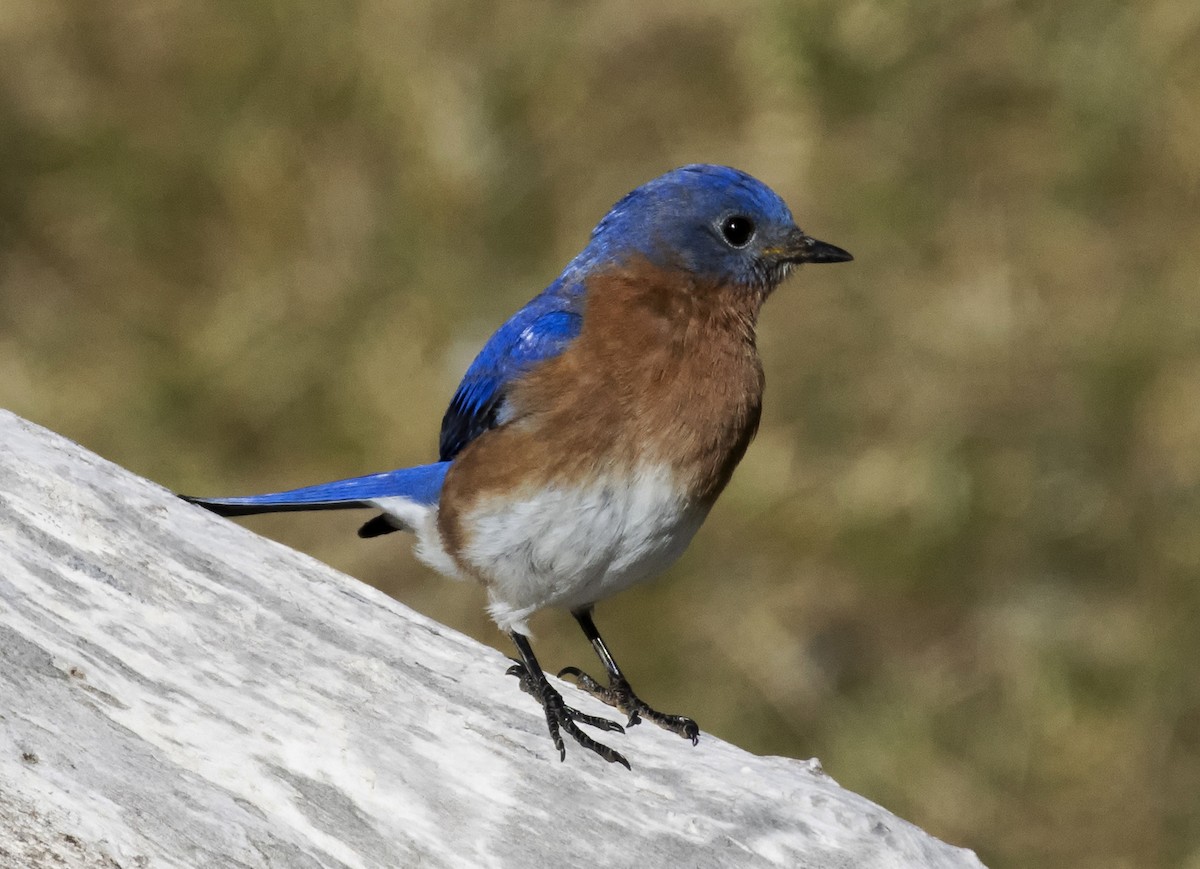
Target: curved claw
(687, 728)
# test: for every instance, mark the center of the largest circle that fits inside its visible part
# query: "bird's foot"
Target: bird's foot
(618, 693)
(560, 716)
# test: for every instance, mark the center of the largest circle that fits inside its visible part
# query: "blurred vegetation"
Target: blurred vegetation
(250, 245)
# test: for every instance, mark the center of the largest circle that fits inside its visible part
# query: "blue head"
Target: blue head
(713, 221)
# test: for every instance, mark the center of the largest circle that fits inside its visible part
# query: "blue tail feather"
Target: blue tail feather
(421, 484)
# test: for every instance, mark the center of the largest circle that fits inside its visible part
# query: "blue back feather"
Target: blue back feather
(540, 330)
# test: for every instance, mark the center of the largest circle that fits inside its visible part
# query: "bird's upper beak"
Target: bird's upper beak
(801, 248)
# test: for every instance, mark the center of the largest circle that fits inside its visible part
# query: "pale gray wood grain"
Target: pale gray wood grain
(177, 691)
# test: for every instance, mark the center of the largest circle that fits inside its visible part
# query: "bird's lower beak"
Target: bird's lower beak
(806, 249)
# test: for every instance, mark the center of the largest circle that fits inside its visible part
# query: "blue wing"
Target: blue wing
(422, 485)
(539, 331)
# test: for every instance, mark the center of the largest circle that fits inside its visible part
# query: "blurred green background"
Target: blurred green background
(248, 245)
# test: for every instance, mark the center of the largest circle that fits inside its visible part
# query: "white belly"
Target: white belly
(570, 546)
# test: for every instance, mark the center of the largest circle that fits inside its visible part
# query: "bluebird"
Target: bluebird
(590, 437)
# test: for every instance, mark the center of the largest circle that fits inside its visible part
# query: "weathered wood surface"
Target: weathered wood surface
(177, 691)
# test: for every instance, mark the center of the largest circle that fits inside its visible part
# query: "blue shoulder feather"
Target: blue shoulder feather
(539, 331)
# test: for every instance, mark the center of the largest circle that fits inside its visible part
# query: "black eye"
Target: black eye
(737, 230)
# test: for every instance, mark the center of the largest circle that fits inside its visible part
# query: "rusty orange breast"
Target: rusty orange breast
(664, 373)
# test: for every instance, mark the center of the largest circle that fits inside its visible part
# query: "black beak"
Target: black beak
(808, 250)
